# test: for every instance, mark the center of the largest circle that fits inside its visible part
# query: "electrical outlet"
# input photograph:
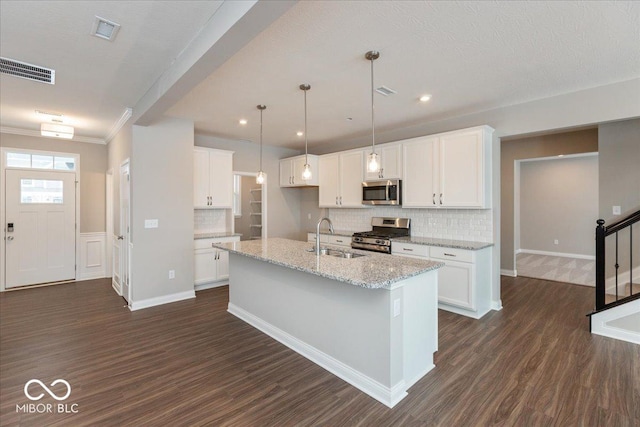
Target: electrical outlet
(308, 216)
(150, 223)
(396, 307)
(172, 274)
(555, 242)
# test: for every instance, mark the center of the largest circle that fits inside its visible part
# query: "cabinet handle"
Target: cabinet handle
(340, 200)
(446, 254)
(339, 241)
(407, 249)
(336, 200)
(440, 198)
(293, 179)
(433, 198)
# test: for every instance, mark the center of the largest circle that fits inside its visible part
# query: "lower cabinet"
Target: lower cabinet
(211, 267)
(464, 283)
(330, 239)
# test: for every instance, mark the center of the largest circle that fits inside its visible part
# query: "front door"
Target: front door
(40, 244)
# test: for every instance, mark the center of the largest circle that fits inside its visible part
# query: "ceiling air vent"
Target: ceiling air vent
(27, 71)
(383, 90)
(104, 28)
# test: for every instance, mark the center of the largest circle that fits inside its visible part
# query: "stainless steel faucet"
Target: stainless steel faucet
(318, 232)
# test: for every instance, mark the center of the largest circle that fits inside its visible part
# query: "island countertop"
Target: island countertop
(374, 270)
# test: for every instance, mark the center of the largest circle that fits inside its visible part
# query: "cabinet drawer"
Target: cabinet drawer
(409, 249)
(451, 254)
(206, 243)
(338, 240)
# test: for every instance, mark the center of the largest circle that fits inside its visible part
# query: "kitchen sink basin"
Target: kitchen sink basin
(336, 253)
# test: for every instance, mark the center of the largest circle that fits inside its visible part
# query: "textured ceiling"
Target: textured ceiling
(95, 79)
(471, 56)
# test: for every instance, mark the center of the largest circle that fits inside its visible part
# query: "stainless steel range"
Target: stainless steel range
(379, 239)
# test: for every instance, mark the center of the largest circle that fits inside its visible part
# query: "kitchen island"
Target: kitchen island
(371, 320)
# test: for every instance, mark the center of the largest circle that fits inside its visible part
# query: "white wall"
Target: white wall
(162, 189)
(559, 201)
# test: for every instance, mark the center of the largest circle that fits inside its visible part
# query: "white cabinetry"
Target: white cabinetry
(330, 239)
(464, 283)
(211, 264)
(212, 178)
(291, 171)
(449, 170)
(341, 179)
(390, 156)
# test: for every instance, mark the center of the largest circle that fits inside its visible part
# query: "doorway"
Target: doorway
(249, 206)
(40, 212)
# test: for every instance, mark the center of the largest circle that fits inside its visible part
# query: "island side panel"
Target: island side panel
(351, 324)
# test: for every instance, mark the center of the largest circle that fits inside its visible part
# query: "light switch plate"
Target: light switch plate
(616, 210)
(150, 223)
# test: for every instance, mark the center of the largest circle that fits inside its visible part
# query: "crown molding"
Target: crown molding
(126, 115)
(36, 133)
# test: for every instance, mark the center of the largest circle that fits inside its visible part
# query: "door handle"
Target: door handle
(9, 238)
(120, 237)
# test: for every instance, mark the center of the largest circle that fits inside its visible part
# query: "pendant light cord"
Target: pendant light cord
(306, 140)
(373, 129)
(261, 139)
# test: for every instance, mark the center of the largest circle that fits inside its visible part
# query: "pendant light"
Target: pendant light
(306, 171)
(260, 177)
(373, 165)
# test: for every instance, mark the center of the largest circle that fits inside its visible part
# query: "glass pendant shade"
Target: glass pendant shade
(373, 165)
(260, 178)
(306, 172)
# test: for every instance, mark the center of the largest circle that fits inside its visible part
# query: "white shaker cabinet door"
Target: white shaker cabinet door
(420, 184)
(329, 180)
(455, 284)
(351, 166)
(200, 178)
(461, 169)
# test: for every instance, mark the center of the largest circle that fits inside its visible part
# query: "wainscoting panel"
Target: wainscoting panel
(92, 256)
(115, 265)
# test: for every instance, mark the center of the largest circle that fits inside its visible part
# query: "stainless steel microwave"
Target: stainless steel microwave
(386, 192)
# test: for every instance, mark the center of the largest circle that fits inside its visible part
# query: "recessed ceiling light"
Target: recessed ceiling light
(349, 119)
(299, 133)
(425, 98)
(386, 91)
(104, 28)
(242, 121)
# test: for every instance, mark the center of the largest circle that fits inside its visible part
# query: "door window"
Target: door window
(41, 191)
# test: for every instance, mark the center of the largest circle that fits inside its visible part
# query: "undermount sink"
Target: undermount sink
(336, 253)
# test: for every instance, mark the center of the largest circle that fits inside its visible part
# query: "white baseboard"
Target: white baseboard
(165, 299)
(116, 287)
(496, 305)
(388, 396)
(599, 322)
(93, 257)
(510, 273)
(203, 286)
(560, 254)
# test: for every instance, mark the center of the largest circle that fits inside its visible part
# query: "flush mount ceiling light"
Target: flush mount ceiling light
(425, 98)
(104, 28)
(242, 121)
(260, 177)
(306, 171)
(56, 131)
(372, 161)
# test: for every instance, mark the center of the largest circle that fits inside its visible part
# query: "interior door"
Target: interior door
(125, 231)
(40, 244)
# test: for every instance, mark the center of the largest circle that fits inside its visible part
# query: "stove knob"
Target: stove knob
(379, 241)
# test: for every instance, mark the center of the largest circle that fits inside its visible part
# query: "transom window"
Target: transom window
(40, 161)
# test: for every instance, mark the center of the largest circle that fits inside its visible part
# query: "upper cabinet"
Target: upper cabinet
(341, 179)
(449, 170)
(291, 171)
(390, 156)
(212, 178)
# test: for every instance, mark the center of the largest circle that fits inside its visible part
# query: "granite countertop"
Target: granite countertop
(210, 235)
(445, 243)
(427, 241)
(374, 270)
(341, 233)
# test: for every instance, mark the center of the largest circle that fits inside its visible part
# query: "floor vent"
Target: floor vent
(27, 71)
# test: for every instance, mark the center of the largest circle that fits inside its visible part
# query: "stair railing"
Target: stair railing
(602, 232)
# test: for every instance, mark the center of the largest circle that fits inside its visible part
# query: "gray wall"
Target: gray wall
(283, 204)
(620, 185)
(559, 200)
(585, 141)
(93, 165)
(162, 189)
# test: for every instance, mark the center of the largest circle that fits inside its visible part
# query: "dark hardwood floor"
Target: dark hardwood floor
(191, 363)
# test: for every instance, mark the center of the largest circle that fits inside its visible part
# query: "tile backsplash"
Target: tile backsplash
(210, 220)
(462, 224)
